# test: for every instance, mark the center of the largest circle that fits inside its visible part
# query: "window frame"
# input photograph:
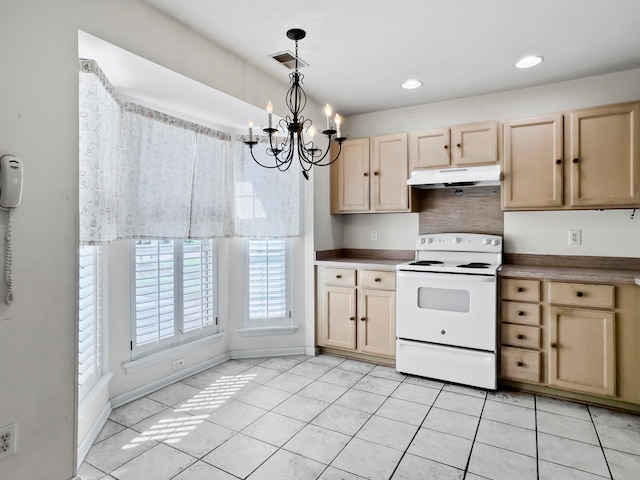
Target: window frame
(267, 323)
(179, 336)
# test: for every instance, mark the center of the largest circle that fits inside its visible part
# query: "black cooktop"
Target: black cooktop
(474, 265)
(427, 262)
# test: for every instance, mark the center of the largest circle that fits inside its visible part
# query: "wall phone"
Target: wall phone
(10, 196)
(10, 181)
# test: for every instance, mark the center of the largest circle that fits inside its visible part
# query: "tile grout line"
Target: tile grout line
(606, 460)
(404, 453)
(473, 442)
(535, 418)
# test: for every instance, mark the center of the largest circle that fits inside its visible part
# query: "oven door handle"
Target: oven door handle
(459, 277)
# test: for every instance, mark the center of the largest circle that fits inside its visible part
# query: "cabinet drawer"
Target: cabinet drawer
(518, 289)
(340, 276)
(524, 313)
(520, 336)
(378, 279)
(582, 295)
(520, 364)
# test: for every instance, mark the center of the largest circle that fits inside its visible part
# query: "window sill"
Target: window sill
(171, 353)
(266, 331)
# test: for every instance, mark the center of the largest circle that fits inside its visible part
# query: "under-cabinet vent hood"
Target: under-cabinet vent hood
(482, 176)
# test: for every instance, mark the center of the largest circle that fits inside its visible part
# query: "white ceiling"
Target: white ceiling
(359, 52)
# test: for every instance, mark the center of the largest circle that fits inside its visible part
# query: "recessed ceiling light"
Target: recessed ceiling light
(411, 84)
(529, 61)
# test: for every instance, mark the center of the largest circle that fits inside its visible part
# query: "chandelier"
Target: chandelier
(294, 127)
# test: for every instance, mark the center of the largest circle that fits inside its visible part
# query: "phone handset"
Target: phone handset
(10, 196)
(10, 181)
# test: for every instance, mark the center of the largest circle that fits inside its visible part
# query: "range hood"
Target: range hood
(482, 176)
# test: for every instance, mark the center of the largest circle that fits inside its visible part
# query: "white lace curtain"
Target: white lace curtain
(144, 174)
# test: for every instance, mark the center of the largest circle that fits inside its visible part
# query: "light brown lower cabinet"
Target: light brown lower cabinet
(356, 310)
(582, 350)
(574, 337)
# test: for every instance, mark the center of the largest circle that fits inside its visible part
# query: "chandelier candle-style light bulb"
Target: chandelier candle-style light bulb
(294, 128)
(251, 130)
(327, 112)
(338, 121)
(269, 111)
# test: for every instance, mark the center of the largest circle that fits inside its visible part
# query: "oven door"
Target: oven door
(447, 309)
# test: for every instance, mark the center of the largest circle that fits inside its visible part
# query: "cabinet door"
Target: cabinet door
(339, 312)
(390, 172)
(605, 168)
(582, 350)
(350, 178)
(532, 165)
(430, 149)
(475, 143)
(377, 322)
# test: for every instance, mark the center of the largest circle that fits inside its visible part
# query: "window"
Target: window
(267, 282)
(90, 348)
(174, 293)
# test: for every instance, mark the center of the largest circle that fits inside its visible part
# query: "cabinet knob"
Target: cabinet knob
(558, 162)
(520, 336)
(338, 276)
(579, 294)
(446, 147)
(520, 313)
(352, 318)
(459, 145)
(366, 174)
(376, 279)
(363, 319)
(575, 160)
(520, 289)
(376, 173)
(553, 345)
(520, 364)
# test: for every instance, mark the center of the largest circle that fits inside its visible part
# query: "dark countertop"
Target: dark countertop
(364, 259)
(572, 274)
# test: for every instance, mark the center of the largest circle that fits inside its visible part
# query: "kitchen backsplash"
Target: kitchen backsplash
(451, 210)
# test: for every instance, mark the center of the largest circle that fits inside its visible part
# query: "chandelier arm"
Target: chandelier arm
(257, 161)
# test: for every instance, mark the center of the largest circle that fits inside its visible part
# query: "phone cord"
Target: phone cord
(8, 261)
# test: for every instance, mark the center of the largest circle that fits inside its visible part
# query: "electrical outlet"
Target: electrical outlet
(575, 237)
(179, 363)
(374, 234)
(7, 441)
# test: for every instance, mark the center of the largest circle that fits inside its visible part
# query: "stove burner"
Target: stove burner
(474, 265)
(427, 262)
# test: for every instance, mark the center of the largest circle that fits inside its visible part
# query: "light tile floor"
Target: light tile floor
(330, 418)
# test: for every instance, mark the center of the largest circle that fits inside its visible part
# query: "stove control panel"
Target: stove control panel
(463, 242)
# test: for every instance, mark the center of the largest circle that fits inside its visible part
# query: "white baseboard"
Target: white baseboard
(92, 434)
(143, 390)
(268, 352)
(312, 351)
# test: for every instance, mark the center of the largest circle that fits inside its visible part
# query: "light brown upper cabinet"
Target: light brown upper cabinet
(460, 145)
(350, 177)
(532, 173)
(584, 159)
(605, 158)
(371, 176)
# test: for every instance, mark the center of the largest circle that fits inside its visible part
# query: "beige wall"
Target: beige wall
(39, 123)
(608, 233)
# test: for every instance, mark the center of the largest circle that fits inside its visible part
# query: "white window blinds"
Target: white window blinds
(267, 279)
(89, 319)
(175, 293)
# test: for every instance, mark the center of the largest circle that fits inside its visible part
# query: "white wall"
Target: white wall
(39, 123)
(608, 233)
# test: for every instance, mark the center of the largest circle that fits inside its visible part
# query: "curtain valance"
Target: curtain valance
(146, 174)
